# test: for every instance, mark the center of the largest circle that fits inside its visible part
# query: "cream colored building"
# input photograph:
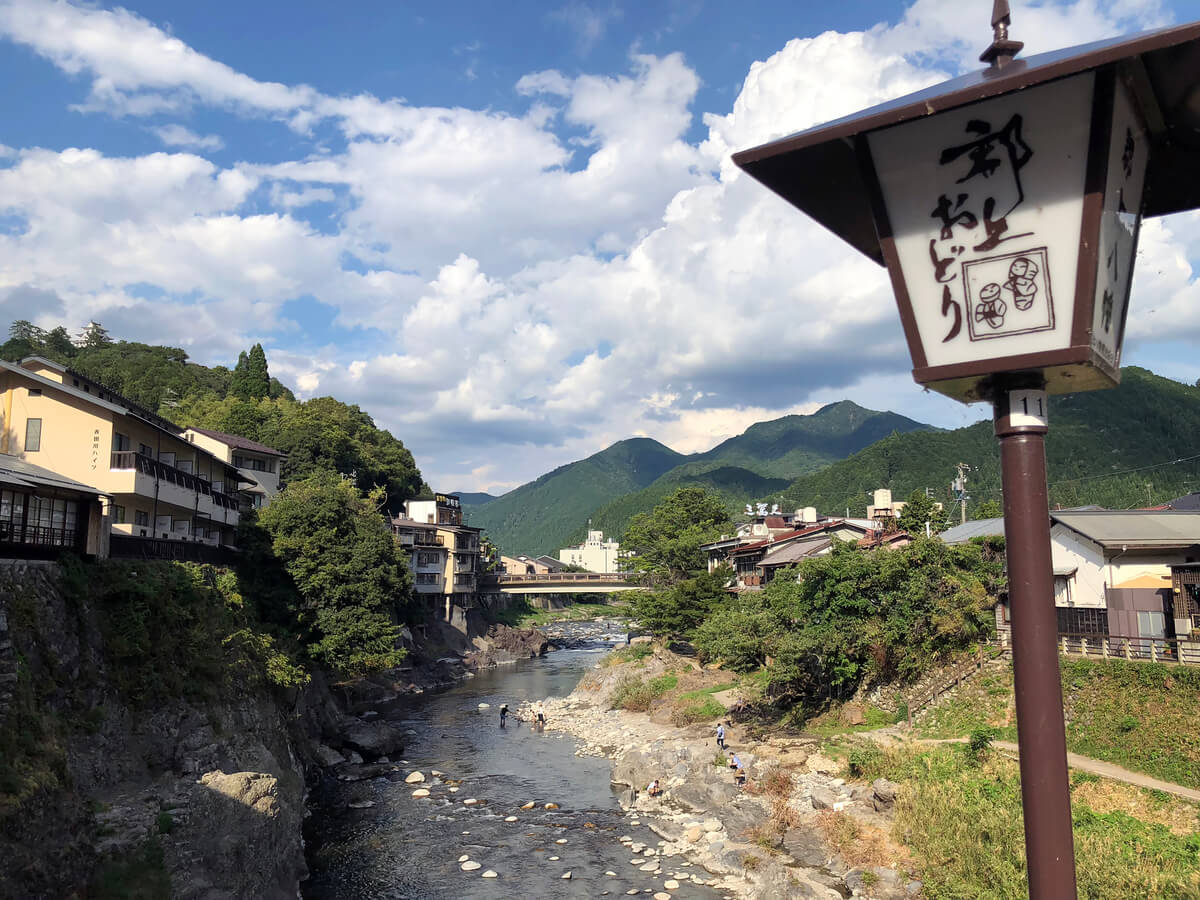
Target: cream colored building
(257, 463)
(461, 566)
(595, 554)
(160, 486)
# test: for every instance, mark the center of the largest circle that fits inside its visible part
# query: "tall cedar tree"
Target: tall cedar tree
(239, 385)
(919, 509)
(258, 379)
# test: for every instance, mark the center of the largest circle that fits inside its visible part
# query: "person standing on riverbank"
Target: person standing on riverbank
(721, 735)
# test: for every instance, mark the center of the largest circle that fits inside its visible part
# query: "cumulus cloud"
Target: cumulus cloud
(538, 281)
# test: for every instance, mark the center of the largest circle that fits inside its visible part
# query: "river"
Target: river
(404, 847)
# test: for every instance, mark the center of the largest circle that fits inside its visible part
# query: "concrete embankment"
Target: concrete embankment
(772, 838)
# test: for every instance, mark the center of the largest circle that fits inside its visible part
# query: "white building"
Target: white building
(257, 463)
(595, 554)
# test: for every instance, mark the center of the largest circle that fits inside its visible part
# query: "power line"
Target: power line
(1173, 462)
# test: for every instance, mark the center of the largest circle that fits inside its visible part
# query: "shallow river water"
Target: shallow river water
(404, 847)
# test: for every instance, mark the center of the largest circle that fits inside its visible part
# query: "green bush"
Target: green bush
(866, 760)
(979, 742)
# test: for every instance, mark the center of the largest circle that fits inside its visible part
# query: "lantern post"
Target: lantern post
(1006, 205)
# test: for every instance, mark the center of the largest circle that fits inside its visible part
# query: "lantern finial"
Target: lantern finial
(1002, 50)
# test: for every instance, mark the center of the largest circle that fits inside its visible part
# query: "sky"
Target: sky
(511, 232)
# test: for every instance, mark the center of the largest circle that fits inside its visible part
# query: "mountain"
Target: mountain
(537, 517)
(547, 514)
(470, 500)
(1148, 424)
(793, 445)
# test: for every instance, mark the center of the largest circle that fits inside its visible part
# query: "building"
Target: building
(43, 514)
(1113, 569)
(461, 566)
(427, 555)
(595, 554)
(756, 563)
(165, 496)
(257, 463)
(530, 565)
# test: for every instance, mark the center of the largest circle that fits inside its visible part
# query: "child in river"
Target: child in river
(503, 713)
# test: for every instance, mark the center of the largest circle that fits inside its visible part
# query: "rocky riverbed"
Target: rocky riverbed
(732, 834)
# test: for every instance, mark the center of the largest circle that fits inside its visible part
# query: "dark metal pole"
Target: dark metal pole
(1020, 421)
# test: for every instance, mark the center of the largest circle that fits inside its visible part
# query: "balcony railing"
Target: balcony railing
(126, 460)
(37, 541)
(125, 547)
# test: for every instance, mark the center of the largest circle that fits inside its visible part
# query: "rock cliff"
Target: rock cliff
(189, 782)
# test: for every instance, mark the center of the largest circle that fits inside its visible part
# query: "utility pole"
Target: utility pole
(959, 486)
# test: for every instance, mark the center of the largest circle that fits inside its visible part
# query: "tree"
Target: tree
(676, 611)
(24, 339)
(352, 579)
(987, 509)
(58, 344)
(239, 385)
(666, 542)
(258, 379)
(94, 337)
(919, 509)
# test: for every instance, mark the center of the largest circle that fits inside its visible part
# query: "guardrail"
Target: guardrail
(566, 578)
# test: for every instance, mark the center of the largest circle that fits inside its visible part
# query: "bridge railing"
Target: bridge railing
(566, 578)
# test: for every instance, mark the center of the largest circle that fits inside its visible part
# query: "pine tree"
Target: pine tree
(239, 384)
(258, 379)
(58, 343)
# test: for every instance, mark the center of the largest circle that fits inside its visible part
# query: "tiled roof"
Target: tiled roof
(237, 442)
(960, 534)
(789, 536)
(1134, 527)
(21, 473)
(794, 552)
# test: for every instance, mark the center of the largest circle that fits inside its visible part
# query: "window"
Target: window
(146, 450)
(167, 458)
(1151, 624)
(141, 517)
(1081, 620)
(120, 442)
(35, 392)
(1062, 589)
(33, 435)
(184, 465)
(427, 577)
(118, 515)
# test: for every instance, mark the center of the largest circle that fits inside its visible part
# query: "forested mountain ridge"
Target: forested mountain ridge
(756, 463)
(1096, 438)
(317, 434)
(535, 517)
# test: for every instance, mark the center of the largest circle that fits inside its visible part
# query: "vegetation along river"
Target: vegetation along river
(406, 847)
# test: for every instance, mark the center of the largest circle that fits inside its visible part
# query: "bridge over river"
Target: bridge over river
(562, 583)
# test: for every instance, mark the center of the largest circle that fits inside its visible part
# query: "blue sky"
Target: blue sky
(511, 232)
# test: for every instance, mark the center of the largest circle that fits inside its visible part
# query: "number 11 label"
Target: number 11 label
(1027, 408)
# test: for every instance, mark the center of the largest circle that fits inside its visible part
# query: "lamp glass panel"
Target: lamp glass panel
(985, 204)
(1128, 152)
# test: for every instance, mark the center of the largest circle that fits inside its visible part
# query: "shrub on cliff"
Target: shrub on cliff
(352, 582)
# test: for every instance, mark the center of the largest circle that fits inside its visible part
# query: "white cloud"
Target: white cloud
(537, 297)
(588, 23)
(178, 136)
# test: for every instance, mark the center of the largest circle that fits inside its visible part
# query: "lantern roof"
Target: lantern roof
(819, 170)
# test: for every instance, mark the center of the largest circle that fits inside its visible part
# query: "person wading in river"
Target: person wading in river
(503, 713)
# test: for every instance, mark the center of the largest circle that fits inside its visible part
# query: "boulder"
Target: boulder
(823, 797)
(854, 714)
(415, 778)
(470, 866)
(883, 794)
(490, 873)
(374, 739)
(327, 756)
(420, 792)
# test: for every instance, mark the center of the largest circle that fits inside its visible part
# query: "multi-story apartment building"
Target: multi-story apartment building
(427, 554)
(460, 574)
(257, 464)
(162, 489)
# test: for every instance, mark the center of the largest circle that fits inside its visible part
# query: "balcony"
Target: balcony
(461, 566)
(126, 547)
(175, 486)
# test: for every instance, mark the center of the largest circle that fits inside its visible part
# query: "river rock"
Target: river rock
(823, 797)
(529, 805)
(470, 801)
(421, 792)
(415, 778)
(360, 804)
(374, 739)
(662, 895)
(435, 773)
(550, 806)
(670, 884)
(510, 819)
(611, 874)
(566, 876)
(454, 790)
(883, 794)
(463, 858)
(561, 841)
(485, 706)
(490, 873)
(470, 866)
(552, 858)
(694, 834)
(327, 756)
(354, 758)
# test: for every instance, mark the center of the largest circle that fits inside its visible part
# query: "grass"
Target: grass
(636, 695)
(963, 823)
(631, 653)
(830, 723)
(1140, 715)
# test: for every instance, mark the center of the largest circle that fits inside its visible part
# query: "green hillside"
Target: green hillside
(471, 499)
(537, 517)
(554, 510)
(735, 484)
(795, 445)
(1095, 437)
